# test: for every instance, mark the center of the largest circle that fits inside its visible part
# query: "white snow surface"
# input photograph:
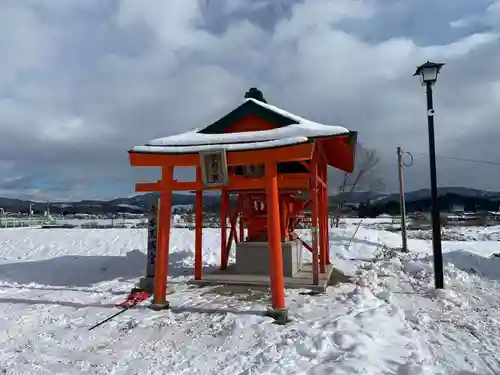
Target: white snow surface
(256, 139)
(55, 284)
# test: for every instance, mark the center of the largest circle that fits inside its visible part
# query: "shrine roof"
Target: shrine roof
(290, 130)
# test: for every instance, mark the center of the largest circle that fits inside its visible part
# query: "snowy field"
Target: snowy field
(55, 284)
(460, 234)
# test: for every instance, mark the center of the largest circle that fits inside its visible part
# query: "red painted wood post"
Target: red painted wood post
(161, 265)
(283, 217)
(321, 228)
(223, 229)
(324, 224)
(241, 209)
(198, 244)
(274, 238)
(314, 221)
(327, 237)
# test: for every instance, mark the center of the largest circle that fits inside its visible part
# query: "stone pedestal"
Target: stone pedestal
(252, 258)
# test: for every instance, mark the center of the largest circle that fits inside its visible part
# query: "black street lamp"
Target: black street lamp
(428, 73)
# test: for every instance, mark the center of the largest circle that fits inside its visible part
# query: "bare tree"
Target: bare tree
(363, 176)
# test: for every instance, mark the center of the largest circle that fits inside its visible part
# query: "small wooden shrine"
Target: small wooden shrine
(271, 169)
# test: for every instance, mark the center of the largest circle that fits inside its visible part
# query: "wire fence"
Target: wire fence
(44, 222)
(14, 222)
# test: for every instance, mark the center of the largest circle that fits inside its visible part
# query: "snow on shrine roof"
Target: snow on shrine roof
(218, 146)
(193, 141)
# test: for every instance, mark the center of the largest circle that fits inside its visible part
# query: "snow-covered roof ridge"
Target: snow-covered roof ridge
(282, 112)
(298, 131)
(193, 138)
(303, 128)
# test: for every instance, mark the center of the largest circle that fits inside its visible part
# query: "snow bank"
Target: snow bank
(485, 267)
(456, 328)
(460, 234)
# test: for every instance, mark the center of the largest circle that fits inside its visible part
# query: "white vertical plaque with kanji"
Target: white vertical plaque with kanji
(214, 168)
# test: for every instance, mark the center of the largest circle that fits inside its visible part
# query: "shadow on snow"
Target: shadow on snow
(74, 271)
(488, 268)
(174, 309)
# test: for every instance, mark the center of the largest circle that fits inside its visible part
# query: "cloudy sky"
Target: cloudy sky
(82, 81)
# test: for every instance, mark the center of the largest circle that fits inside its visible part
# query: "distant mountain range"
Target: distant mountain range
(136, 204)
(416, 195)
(419, 200)
(450, 198)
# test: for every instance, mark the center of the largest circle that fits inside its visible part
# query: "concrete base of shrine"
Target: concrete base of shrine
(301, 280)
(252, 258)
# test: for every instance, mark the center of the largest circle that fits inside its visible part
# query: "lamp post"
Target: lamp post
(428, 73)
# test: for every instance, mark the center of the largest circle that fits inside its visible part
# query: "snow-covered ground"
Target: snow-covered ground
(55, 284)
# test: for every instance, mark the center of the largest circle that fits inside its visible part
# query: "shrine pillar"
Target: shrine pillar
(165, 216)
(322, 210)
(198, 244)
(277, 310)
(241, 221)
(314, 221)
(325, 217)
(224, 205)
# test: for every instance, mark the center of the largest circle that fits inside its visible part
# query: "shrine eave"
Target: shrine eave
(228, 147)
(279, 153)
(195, 138)
(338, 149)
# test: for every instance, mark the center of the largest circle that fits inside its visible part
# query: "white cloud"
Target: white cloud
(460, 48)
(174, 22)
(92, 80)
(493, 13)
(490, 17)
(27, 44)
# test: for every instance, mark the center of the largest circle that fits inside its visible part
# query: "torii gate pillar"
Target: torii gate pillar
(278, 311)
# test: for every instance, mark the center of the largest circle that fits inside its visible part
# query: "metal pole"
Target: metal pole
(402, 205)
(436, 225)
